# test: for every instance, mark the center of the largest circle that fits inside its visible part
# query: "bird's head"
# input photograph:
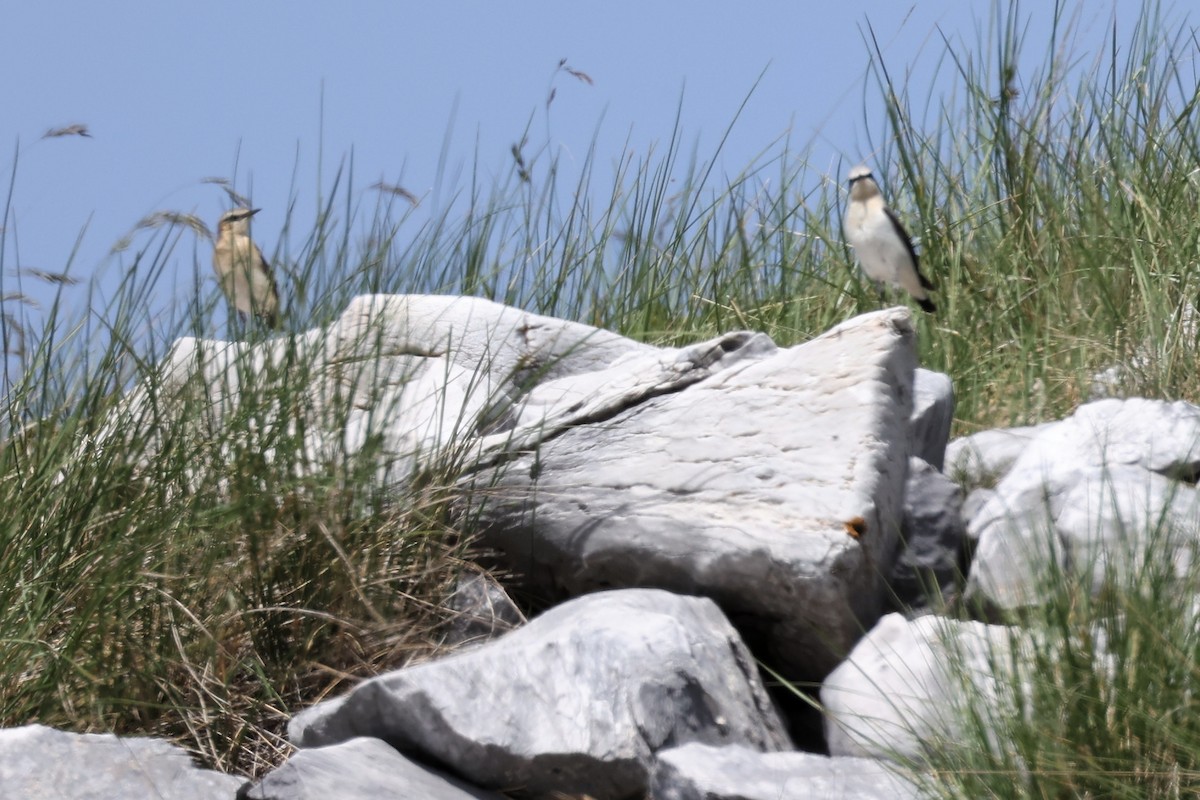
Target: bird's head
(236, 220)
(862, 183)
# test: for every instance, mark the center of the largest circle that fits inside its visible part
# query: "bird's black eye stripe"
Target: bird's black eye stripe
(858, 178)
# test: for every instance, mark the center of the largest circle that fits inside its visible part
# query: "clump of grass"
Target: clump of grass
(174, 562)
(174, 559)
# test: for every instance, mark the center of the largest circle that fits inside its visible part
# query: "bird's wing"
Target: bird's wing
(270, 272)
(908, 245)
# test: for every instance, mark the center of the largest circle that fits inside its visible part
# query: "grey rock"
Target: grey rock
(932, 415)
(482, 610)
(37, 761)
(578, 700)
(401, 377)
(982, 459)
(1104, 522)
(359, 769)
(743, 487)
(1102, 477)
(932, 540)
(702, 772)
(905, 686)
(1112, 519)
(975, 502)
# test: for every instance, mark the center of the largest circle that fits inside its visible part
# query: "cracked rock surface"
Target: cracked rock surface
(577, 701)
(771, 481)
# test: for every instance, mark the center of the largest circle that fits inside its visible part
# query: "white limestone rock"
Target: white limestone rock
(1090, 494)
(904, 688)
(37, 761)
(1102, 523)
(577, 701)
(983, 458)
(359, 769)
(703, 772)
(774, 485)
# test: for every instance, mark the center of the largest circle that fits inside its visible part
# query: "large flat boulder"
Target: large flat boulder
(774, 485)
(577, 701)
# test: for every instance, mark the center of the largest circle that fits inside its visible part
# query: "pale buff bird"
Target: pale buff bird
(880, 241)
(244, 275)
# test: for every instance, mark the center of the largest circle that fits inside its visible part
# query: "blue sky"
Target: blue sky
(173, 93)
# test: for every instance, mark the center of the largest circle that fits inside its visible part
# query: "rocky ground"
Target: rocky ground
(689, 514)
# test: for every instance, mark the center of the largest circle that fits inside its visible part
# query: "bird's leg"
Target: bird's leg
(237, 325)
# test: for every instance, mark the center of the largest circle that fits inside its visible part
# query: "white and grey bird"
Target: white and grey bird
(880, 241)
(244, 275)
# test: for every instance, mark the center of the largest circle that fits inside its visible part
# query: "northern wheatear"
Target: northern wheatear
(880, 241)
(244, 275)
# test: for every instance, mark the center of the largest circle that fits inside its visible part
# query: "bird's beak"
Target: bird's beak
(254, 211)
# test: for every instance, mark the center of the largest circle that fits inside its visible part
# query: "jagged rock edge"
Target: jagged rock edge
(502, 447)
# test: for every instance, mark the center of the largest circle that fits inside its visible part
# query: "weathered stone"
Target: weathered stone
(1113, 519)
(905, 687)
(932, 415)
(983, 458)
(975, 502)
(36, 762)
(933, 536)
(1102, 522)
(359, 769)
(775, 486)
(1099, 477)
(398, 376)
(702, 772)
(482, 610)
(579, 700)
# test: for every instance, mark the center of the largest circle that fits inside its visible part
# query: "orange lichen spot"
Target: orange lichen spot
(856, 526)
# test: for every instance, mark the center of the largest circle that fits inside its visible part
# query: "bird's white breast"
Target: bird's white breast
(880, 250)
